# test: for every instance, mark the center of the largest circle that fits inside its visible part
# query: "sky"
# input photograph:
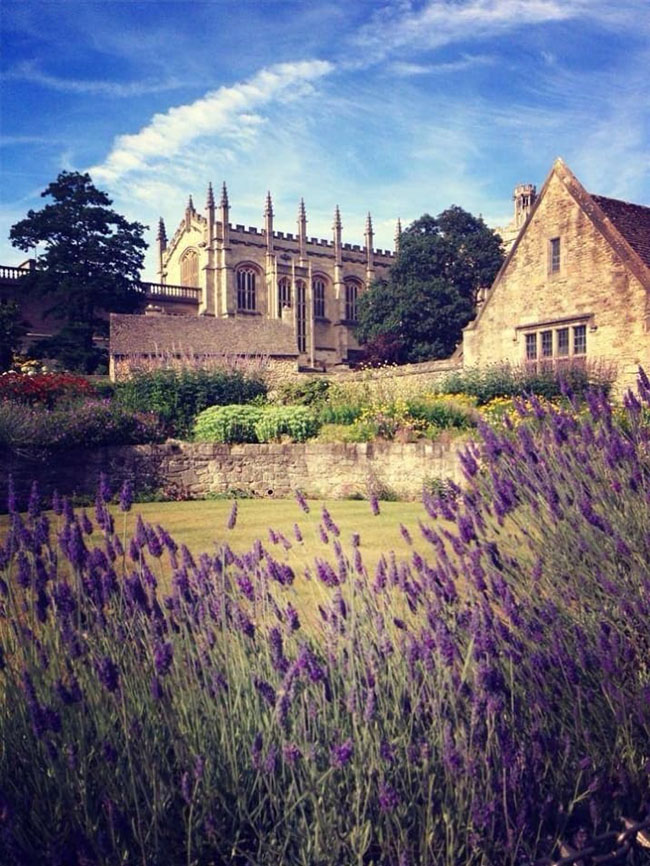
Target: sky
(393, 107)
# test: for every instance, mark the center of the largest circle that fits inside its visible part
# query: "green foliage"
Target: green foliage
(179, 396)
(511, 380)
(297, 422)
(255, 424)
(12, 330)
(346, 433)
(308, 392)
(430, 295)
(91, 264)
(227, 424)
(442, 414)
(86, 425)
(339, 413)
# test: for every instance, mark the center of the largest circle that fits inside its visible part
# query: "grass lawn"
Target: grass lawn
(202, 526)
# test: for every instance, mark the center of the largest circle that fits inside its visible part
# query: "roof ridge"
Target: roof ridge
(619, 200)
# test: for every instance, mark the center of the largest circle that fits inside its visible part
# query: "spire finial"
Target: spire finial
(337, 218)
(369, 223)
(268, 207)
(210, 200)
(224, 195)
(398, 234)
(162, 233)
(190, 204)
(302, 215)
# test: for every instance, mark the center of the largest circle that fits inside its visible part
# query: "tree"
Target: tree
(91, 264)
(12, 330)
(419, 312)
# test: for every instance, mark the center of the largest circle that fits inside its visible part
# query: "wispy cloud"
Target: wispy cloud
(226, 111)
(404, 69)
(402, 24)
(29, 72)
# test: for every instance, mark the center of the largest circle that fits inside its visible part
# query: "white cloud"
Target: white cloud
(441, 22)
(406, 70)
(226, 111)
(30, 73)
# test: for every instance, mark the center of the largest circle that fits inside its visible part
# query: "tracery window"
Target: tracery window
(301, 315)
(351, 300)
(284, 294)
(190, 268)
(246, 289)
(318, 286)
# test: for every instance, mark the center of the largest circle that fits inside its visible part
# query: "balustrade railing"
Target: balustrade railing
(154, 290)
(164, 290)
(7, 272)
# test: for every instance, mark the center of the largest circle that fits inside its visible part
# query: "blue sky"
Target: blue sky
(399, 107)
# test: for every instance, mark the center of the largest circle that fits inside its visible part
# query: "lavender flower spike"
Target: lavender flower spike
(232, 520)
(126, 495)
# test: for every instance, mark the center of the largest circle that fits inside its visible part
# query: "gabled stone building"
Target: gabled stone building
(575, 285)
(238, 272)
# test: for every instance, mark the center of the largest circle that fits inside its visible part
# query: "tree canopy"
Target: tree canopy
(419, 312)
(90, 265)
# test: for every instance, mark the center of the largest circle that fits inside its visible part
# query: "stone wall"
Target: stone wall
(321, 470)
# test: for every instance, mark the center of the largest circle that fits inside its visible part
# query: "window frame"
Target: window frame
(555, 255)
(246, 289)
(352, 292)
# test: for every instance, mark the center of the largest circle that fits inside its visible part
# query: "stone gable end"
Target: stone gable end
(594, 283)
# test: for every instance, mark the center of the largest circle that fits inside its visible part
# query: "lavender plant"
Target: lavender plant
(463, 707)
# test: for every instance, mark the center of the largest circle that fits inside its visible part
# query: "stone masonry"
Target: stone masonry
(321, 470)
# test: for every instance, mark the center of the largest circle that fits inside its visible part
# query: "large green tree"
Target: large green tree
(90, 265)
(419, 312)
(12, 330)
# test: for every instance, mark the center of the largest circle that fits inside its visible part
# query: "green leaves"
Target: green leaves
(92, 259)
(420, 311)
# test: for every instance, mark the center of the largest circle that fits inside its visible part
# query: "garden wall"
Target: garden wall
(325, 470)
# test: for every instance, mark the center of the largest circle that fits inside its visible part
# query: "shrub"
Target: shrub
(45, 389)
(227, 424)
(346, 433)
(85, 425)
(296, 422)
(339, 413)
(444, 411)
(178, 396)
(308, 392)
(511, 380)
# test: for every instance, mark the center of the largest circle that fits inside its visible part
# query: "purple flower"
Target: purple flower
(297, 533)
(293, 620)
(186, 787)
(156, 689)
(278, 659)
(108, 673)
(388, 797)
(266, 690)
(302, 502)
(341, 754)
(232, 520)
(126, 495)
(34, 505)
(374, 504)
(329, 523)
(291, 753)
(163, 656)
(104, 488)
(406, 535)
(57, 504)
(11, 496)
(256, 750)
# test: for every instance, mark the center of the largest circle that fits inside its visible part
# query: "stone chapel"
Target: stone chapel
(310, 284)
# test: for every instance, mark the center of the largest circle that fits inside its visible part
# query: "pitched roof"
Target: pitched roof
(200, 335)
(631, 220)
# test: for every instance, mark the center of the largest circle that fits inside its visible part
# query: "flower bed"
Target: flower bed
(463, 707)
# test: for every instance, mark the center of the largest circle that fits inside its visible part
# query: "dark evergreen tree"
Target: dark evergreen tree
(419, 312)
(12, 330)
(91, 264)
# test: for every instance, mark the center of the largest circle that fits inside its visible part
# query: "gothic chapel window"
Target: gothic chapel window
(284, 294)
(246, 289)
(319, 298)
(190, 269)
(351, 298)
